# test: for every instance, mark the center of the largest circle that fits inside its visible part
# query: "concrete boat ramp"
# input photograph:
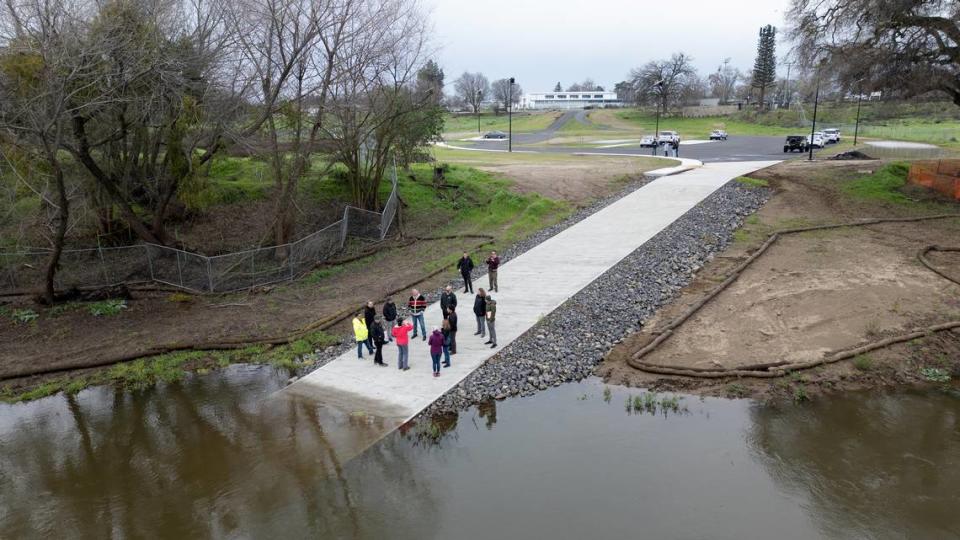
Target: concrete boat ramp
(376, 400)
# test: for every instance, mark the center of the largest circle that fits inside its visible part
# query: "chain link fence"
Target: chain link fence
(101, 267)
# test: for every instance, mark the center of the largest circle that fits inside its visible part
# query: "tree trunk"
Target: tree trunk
(63, 214)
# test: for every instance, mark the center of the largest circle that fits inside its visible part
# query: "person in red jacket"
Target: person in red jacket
(401, 333)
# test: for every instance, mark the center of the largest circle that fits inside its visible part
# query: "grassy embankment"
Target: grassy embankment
(472, 201)
(465, 125)
(935, 123)
(885, 191)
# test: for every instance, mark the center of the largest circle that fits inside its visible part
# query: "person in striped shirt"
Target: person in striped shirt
(416, 304)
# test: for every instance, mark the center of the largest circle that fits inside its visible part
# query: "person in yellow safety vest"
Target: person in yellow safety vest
(360, 333)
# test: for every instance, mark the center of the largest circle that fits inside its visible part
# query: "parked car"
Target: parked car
(718, 135)
(648, 141)
(497, 135)
(668, 137)
(819, 140)
(832, 135)
(796, 142)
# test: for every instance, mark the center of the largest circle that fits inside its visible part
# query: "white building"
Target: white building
(569, 100)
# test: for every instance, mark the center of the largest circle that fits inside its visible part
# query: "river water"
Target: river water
(217, 456)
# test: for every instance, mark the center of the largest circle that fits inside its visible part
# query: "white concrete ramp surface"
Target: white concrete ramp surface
(531, 286)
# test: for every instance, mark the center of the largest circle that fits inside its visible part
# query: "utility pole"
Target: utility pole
(813, 127)
(656, 130)
(510, 115)
(479, 100)
(856, 129)
(786, 84)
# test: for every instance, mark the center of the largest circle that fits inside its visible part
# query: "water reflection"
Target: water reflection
(871, 465)
(206, 457)
(213, 456)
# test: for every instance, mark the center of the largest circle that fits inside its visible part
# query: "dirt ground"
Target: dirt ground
(812, 294)
(161, 318)
(577, 181)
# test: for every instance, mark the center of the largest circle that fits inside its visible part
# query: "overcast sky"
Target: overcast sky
(542, 41)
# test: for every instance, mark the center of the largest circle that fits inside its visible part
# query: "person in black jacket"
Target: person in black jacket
(390, 315)
(465, 266)
(377, 333)
(448, 300)
(480, 311)
(369, 314)
(452, 318)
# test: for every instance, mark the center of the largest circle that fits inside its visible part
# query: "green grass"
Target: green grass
(322, 274)
(173, 367)
(481, 202)
(752, 182)
(700, 128)
(936, 123)
(884, 185)
(231, 180)
(522, 122)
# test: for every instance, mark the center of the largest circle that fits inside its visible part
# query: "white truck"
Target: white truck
(832, 135)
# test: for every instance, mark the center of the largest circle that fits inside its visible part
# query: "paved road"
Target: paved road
(736, 148)
(569, 261)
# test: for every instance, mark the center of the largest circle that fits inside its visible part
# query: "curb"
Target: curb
(685, 165)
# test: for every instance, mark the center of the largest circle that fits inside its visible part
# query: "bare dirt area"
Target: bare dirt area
(158, 319)
(813, 294)
(577, 179)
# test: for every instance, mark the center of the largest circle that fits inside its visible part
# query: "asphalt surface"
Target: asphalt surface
(735, 148)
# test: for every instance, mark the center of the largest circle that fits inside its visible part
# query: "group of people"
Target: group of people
(372, 330)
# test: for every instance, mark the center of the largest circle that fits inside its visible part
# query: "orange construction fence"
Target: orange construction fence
(942, 175)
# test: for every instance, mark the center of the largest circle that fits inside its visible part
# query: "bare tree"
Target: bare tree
(120, 87)
(694, 89)
(371, 96)
(586, 86)
(626, 93)
(472, 88)
(663, 81)
(911, 45)
(292, 48)
(40, 75)
(723, 82)
(503, 94)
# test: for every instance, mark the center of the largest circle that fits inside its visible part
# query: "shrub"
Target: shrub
(107, 308)
(863, 362)
(24, 316)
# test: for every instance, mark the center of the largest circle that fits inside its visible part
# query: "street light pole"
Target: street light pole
(856, 129)
(510, 115)
(656, 129)
(479, 100)
(813, 128)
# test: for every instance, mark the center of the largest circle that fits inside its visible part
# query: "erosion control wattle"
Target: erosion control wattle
(780, 368)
